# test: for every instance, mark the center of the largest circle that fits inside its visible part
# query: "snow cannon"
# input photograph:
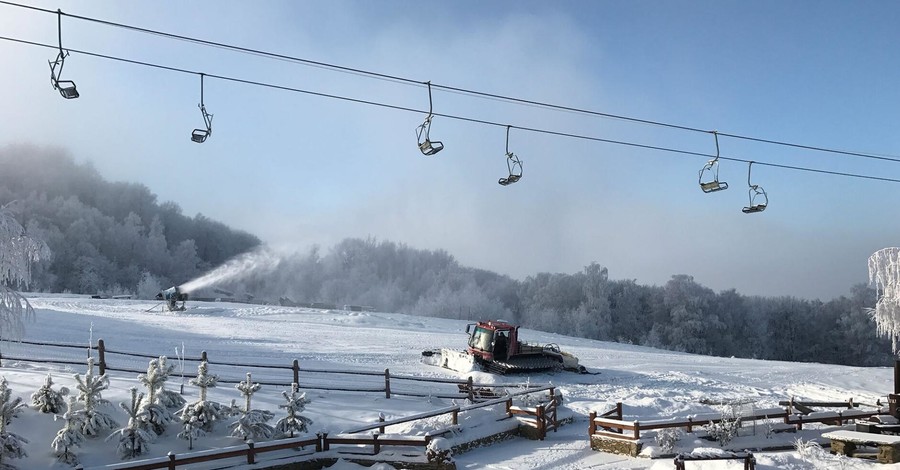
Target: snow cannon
(172, 296)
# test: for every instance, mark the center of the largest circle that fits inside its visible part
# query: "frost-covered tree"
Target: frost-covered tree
(18, 251)
(47, 400)
(884, 272)
(295, 403)
(252, 424)
(69, 437)
(134, 441)
(12, 446)
(156, 404)
(93, 420)
(200, 417)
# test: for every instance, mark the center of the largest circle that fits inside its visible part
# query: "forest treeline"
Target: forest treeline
(115, 238)
(106, 237)
(681, 315)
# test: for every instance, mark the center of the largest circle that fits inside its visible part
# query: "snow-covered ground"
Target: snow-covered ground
(651, 383)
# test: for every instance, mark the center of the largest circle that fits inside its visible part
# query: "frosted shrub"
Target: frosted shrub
(47, 400)
(723, 431)
(439, 451)
(295, 403)
(666, 439)
(252, 424)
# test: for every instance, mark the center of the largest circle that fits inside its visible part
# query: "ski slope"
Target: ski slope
(651, 383)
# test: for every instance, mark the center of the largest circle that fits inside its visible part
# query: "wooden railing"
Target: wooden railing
(610, 423)
(323, 442)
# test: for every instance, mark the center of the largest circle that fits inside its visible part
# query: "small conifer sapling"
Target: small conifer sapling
(47, 400)
(252, 424)
(12, 446)
(134, 441)
(69, 437)
(295, 403)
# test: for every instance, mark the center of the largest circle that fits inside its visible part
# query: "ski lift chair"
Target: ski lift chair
(712, 167)
(66, 88)
(714, 184)
(515, 170)
(200, 135)
(755, 191)
(513, 164)
(427, 146)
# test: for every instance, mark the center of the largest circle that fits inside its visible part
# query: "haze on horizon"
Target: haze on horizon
(298, 170)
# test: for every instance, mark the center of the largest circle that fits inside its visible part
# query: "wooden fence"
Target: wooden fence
(266, 374)
(338, 443)
(610, 423)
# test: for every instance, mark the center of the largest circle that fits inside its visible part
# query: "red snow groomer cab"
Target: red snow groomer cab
(496, 347)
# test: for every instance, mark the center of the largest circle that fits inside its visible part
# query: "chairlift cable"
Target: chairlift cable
(450, 116)
(494, 96)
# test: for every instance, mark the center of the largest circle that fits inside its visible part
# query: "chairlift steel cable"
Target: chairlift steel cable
(399, 79)
(450, 116)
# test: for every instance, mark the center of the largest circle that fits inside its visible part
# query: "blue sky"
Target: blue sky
(298, 170)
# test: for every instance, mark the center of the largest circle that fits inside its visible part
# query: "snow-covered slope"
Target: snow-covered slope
(651, 383)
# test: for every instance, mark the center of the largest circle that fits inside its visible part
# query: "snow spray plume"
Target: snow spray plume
(884, 272)
(257, 262)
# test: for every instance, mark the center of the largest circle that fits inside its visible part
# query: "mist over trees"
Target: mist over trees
(681, 315)
(107, 237)
(116, 238)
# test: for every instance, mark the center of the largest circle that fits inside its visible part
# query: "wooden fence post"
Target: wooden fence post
(387, 383)
(101, 355)
(592, 426)
(171, 460)
(296, 366)
(318, 442)
(471, 389)
(637, 430)
(455, 417)
(381, 420)
(251, 454)
(377, 444)
(325, 445)
(203, 356)
(619, 411)
(509, 407)
(542, 425)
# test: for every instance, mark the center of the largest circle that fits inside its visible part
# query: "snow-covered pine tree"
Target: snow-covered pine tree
(12, 446)
(93, 420)
(294, 422)
(156, 415)
(17, 252)
(133, 440)
(158, 373)
(198, 418)
(69, 437)
(252, 424)
(47, 400)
